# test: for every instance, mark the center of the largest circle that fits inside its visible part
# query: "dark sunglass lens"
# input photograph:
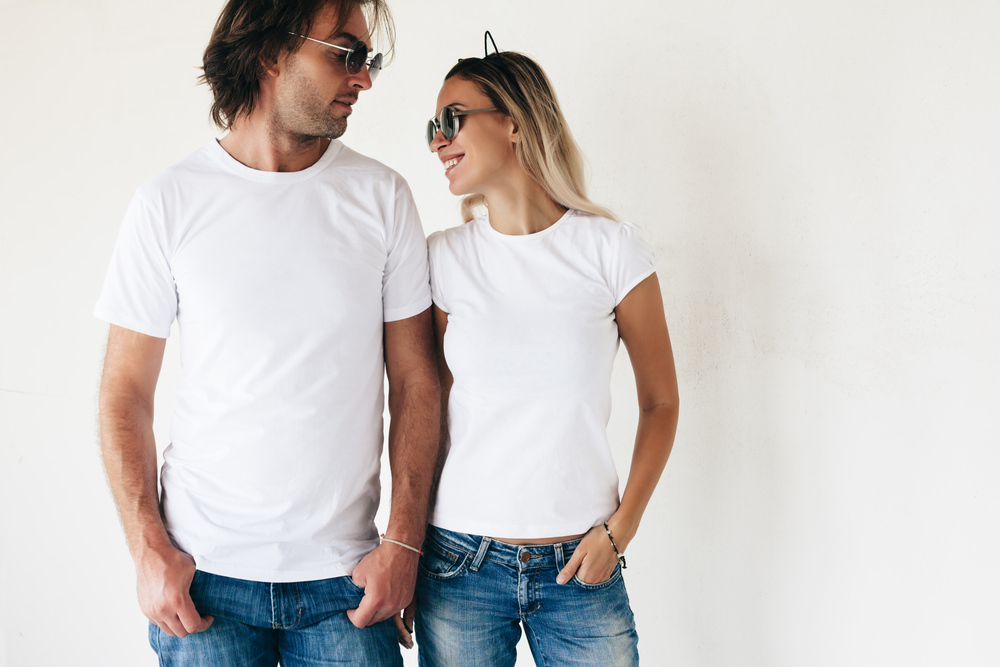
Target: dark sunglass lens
(375, 67)
(449, 123)
(357, 57)
(431, 131)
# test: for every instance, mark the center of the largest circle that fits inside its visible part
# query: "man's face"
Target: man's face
(313, 91)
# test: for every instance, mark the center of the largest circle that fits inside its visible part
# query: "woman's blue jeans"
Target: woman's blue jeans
(474, 594)
(259, 624)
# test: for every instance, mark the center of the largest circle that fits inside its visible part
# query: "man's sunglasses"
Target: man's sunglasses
(447, 123)
(357, 56)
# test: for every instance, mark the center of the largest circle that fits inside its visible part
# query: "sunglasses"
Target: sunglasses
(447, 123)
(357, 56)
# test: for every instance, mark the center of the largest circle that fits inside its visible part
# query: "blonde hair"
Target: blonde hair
(518, 87)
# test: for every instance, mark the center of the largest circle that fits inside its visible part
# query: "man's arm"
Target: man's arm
(389, 573)
(404, 623)
(163, 573)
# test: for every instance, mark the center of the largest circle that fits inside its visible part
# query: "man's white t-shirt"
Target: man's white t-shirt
(531, 341)
(280, 283)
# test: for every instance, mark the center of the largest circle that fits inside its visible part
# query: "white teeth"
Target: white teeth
(451, 163)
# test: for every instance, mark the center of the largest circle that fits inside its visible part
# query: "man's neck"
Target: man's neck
(253, 145)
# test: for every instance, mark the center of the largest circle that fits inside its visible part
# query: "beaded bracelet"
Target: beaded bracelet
(621, 558)
(402, 544)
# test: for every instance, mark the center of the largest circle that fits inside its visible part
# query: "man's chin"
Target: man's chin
(328, 130)
(337, 128)
(337, 132)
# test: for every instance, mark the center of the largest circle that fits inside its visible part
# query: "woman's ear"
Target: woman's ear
(512, 133)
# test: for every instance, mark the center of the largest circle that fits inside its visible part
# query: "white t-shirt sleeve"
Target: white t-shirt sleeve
(406, 282)
(632, 262)
(139, 291)
(434, 243)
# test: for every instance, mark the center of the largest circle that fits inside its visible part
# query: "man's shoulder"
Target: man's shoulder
(192, 167)
(364, 166)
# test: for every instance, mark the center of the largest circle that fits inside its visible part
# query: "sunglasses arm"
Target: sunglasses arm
(311, 39)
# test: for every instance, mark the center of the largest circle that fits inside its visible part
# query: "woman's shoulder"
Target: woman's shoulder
(598, 229)
(457, 234)
(451, 241)
(611, 230)
(594, 223)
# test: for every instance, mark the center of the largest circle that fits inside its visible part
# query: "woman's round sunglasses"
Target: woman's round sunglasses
(447, 123)
(357, 56)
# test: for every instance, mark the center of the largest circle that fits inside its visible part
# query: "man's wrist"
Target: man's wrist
(410, 532)
(153, 542)
(401, 545)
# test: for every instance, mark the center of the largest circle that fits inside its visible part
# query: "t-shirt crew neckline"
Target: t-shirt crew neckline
(522, 238)
(234, 166)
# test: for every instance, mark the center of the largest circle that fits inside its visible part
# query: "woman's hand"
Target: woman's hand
(404, 624)
(593, 561)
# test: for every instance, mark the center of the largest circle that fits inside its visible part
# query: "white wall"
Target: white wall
(820, 181)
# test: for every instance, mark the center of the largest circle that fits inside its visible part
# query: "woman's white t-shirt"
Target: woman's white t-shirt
(531, 341)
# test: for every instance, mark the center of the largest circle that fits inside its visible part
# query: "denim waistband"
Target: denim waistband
(521, 557)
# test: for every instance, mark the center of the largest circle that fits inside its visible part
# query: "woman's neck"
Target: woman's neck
(521, 206)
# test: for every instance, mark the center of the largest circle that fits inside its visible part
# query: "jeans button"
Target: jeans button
(525, 556)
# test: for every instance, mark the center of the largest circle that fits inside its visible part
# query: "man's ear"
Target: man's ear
(273, 68)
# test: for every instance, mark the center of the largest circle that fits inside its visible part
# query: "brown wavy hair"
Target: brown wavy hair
(251, 35)
(517, 86)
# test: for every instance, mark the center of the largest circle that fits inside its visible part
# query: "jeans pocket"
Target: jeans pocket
(350, 582)
(616, 574)
(441, 561)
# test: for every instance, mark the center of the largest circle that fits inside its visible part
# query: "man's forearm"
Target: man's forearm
(388, 573)
(163, 572)
(129, 452)
(128, 383)
(414, 446)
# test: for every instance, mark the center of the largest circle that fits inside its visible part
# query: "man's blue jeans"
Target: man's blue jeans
(259, 624)
(474, 593)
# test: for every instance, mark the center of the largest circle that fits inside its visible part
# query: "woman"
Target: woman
(530, 300)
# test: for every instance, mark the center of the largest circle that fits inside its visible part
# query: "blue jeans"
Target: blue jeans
(474, 594)
(259, 624)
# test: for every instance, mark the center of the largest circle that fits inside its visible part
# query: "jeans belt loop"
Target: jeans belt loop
(484, 546)
(560, 560)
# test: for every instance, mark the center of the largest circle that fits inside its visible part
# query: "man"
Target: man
(296, 270)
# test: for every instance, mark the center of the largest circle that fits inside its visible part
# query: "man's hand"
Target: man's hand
(388, 574)
(164, 578)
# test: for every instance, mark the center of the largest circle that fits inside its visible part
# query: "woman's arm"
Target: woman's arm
(446, 379)
(643, 329)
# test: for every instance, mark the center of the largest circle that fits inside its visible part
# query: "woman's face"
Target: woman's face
(479, 156)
